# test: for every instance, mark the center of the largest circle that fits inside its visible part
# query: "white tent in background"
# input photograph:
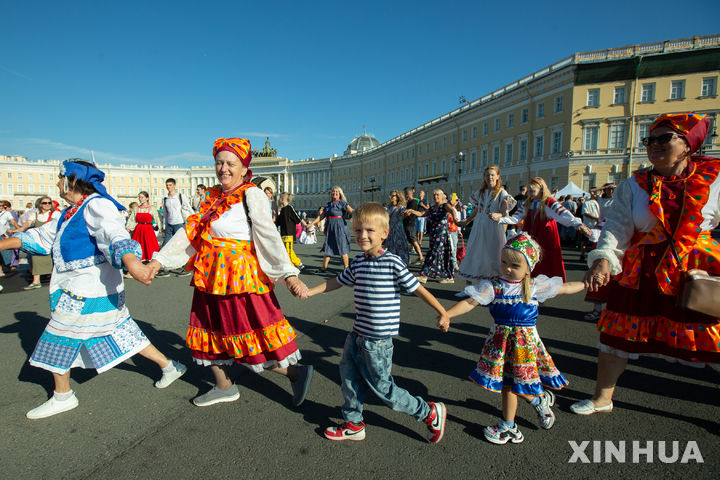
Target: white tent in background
(571, 189)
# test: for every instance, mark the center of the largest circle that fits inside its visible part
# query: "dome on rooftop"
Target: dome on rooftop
(362, 143)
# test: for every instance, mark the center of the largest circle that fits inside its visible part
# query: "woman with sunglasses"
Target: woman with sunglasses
(40, 264)
(396, 242)
(677, 199)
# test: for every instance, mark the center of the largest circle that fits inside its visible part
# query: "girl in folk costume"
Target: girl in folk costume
(141, 225)
(514, 360)
(539, 215)
(236, 255)
(487, 238)
(90, 326)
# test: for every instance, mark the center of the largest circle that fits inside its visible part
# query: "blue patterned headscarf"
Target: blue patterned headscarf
(88, 174)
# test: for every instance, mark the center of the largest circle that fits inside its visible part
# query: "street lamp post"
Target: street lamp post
(372, 189)
(461, 160)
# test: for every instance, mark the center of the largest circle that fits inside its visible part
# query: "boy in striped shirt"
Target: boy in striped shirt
(378, 277)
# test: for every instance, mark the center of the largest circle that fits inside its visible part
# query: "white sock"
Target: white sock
(61, 397)
(169, 367)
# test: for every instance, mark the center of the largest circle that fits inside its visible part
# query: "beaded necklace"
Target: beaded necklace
(71, 211)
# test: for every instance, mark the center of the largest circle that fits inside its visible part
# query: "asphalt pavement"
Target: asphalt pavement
(124, 428)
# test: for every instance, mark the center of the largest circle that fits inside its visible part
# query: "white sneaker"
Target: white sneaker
(216, 396)
(52, 407)
(170, 377)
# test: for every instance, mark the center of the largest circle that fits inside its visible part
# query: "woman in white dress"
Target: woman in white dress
(487, 238)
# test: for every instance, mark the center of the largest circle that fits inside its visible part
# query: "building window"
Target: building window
(593, 97)
(539, 145)
(508, 153)
(435, 146)
(31, 188)
(677, 89)
(464, 135)
(496, 154)
(42, 188)
(485, 128)
(484, 157)
(617, 136)
(643, 131)
(19, 176)
(524, 115)
(473, 161)
(497, 124)
(454, 138)
(10, 190)
(647, 94)
(708, 87)
(540, 110)
(619, 96)
(711, 130)
(444, 143)
(558, 105)
(590, 138)
(588, 181)
(556, 142)
(427, 168)
(427, 148)
(474, 132)
(522, 150)
(511, 120)
(434, 167)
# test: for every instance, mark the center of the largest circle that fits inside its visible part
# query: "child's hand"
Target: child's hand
(495, 216)
(443, 322)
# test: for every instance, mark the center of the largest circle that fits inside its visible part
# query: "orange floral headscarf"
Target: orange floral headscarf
(240, 147)
(692, 126)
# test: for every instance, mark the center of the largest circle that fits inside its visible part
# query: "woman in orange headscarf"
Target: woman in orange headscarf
(236, 254)
(658, 228)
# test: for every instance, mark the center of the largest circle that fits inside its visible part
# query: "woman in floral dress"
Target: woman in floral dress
(396, 242)
(438, 260)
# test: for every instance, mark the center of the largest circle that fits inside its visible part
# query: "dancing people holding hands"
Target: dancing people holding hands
(514, 360)
(378, 277)
(236, 255)
(540, 215)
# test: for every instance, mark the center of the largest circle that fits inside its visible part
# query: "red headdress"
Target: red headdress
(692, 126)
(240, 147)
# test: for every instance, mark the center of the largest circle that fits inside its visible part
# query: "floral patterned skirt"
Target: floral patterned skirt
(516, 357)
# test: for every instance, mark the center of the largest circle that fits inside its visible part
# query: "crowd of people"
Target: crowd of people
(237, 243)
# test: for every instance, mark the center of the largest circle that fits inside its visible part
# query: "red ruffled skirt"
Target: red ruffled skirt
(247, 328)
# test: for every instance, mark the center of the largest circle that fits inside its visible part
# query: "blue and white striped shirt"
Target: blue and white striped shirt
(378, 282)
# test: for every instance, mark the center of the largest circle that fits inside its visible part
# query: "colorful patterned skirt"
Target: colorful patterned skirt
(516, 357)
(645, 321)
(244, 328)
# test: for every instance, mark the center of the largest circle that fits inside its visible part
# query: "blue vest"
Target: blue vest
(75, 248)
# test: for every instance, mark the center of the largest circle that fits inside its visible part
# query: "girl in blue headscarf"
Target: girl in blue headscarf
(90, 326)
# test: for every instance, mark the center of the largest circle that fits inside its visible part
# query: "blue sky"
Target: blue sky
(156, 82)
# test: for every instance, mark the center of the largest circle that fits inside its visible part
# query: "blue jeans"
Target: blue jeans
(365, 367)
(171, 230)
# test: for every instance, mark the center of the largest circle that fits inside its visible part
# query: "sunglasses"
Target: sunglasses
(45, 203)
(659, 139)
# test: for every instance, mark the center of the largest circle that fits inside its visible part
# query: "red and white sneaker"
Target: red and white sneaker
(346, 431)
(436, 422)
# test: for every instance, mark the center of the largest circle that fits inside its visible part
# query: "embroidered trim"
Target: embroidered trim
(120, 248)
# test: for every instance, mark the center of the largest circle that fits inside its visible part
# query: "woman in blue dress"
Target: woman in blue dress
(337, 234)
(396, 242)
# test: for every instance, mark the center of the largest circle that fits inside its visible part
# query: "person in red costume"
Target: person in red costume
(659, 227)
(141, 226)
(540, 214)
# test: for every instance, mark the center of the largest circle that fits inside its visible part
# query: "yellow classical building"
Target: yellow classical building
(579, 120)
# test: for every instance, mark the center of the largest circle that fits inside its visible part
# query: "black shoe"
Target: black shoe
(181, 272)
(320, 271)
(162, 273)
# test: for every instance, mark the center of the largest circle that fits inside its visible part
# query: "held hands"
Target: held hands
(141, 273)
(443, 322)
(585, 231)
(296, 287)
(155, 267)
(495, 216)
(598, 275)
